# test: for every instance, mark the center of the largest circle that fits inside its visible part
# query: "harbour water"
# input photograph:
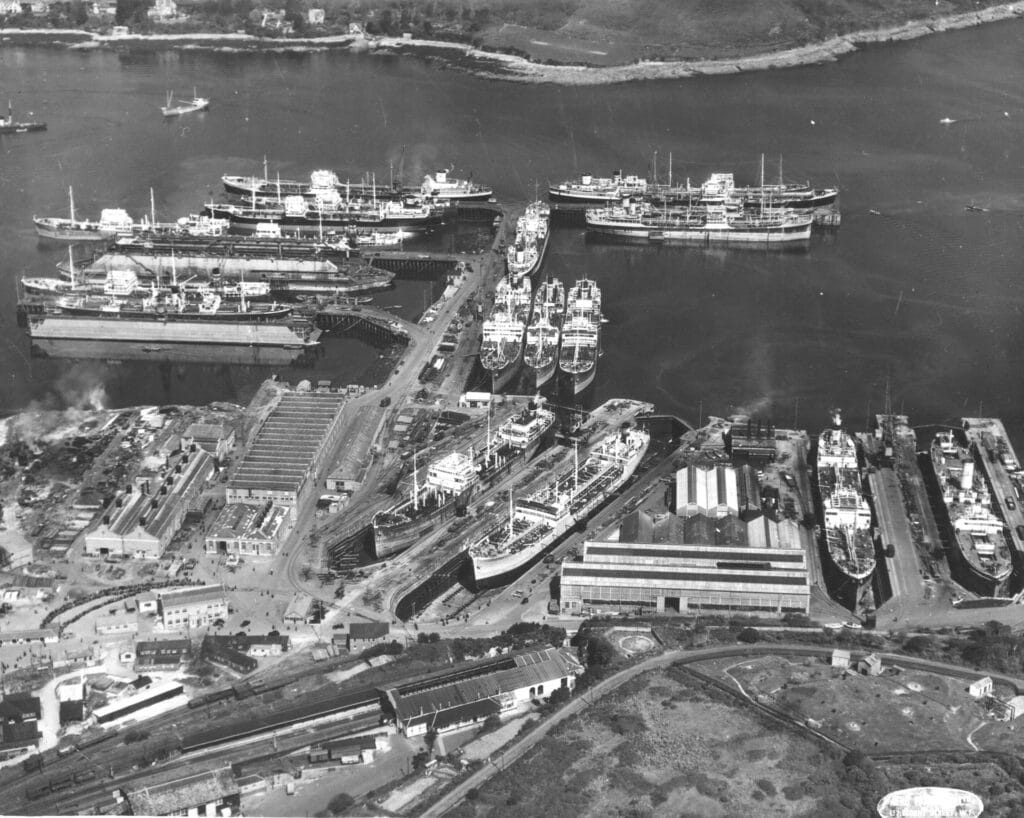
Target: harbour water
(913, 288)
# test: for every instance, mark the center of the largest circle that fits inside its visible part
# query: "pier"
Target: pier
(415, 265)
(367, 323)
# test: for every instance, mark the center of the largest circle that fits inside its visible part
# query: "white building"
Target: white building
(192, 607)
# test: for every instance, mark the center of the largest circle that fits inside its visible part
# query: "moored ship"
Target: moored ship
(448, 487)
(708, 224)
(721, 188)
(184, 106)
(977, 532)
(542, 336)
(846, 517)
(441, 186)
(597, 190)
(581, 334)
(504, 331)
(526, 253)
(537, 521)
(331, 212)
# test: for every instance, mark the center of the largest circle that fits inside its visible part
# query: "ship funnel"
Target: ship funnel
(837, 417)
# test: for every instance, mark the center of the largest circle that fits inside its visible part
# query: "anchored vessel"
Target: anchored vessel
(846, 515)
(597, 190)
(709, 223)
(8, 125)
(537, 521)
(504, 331)
(581, 334)
(440, 186)
(526, 253)
(979, 534)
(545, 331)
(446, 492)
(184, 106)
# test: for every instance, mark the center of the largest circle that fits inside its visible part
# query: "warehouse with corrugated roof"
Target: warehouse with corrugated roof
(289, 449)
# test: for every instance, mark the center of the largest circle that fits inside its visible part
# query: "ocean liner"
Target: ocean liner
(446, 492)
(504, 330)
(977, 532)
(545, 331)
(537, 521)
(846, 516)
(526, 253)
(596, 190)
(711, 223)
(581, 334)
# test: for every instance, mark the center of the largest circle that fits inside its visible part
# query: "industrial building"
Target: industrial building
(19, 724)
(214, 438)
(289, 449)
(141, 521)
(437, 703)
(249, 530)
(191, 607)
(209, 793)
(149, 696)
(362, 635)
(665, 563)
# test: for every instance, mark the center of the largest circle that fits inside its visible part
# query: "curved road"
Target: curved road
(454, 796)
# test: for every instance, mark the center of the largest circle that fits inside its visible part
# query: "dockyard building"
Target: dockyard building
(142, 520)
(249, 530)
(192, 607)
(162, 654)
(362, 635)
(19, 724)
(215, 438)
(289, 450)
(209, 793)
(439, 702)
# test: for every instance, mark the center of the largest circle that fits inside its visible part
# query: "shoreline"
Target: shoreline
(514, 68)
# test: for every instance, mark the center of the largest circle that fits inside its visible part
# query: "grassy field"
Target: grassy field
(605, 32)
(666, 745)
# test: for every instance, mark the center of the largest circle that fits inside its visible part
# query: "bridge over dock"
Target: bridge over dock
(415, 265)
(370, 323)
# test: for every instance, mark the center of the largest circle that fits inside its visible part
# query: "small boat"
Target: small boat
(185, 106)
(8, 125)
(976, 209)
(946, 121)
(875, 212)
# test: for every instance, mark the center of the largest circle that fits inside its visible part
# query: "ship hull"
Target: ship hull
(524, 271)
(390, 539)
(543, 373)
(502, 376)
(581, 380)
(22, 127)
(247, 222)
(496, 572)
(668, 232)
(845, 587)
(59, 230)
(155, 331)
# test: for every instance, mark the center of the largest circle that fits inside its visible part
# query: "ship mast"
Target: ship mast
(71, 267)
(670, 169)
(71, 203)
(511, 517)
(575, 468)
(415, 484)
(265, 179)
(152, 208)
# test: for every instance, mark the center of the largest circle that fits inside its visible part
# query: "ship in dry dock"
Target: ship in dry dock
(538, 520)
(976, 529)
(445, 492)
(451, 481)
(847, 543)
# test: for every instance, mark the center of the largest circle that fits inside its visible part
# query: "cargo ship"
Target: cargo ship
(981, 541)
(707, 224)
(504, 331)
(9, 125)
(581, 334)
(445, 492)
(536, 522)
(847, 545)
(331, 212)
(526, 253)
(597, 190)
(545, 331)
(438, 187)
(721, 188)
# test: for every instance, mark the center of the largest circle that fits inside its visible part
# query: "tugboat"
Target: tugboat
(8, 125)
